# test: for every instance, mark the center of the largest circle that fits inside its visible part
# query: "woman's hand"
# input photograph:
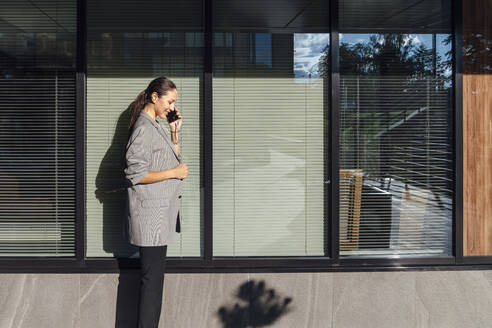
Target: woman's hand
(181, 171)
(176, 125)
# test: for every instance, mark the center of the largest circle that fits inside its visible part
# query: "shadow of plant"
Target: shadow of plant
(259, 307)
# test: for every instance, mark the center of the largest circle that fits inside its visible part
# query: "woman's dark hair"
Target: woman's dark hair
(161, 85)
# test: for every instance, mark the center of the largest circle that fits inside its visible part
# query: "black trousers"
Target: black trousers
(152, 260)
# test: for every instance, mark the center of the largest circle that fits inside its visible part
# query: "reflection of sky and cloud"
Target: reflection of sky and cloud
(308, 48)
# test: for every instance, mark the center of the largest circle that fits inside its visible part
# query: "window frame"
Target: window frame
(208, 263)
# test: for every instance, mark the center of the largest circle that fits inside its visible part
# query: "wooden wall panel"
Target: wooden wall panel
(477, 164)
(477, 128)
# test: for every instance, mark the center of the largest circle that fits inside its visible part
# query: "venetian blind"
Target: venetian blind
(270, 101)
(396, 177)
(396, 130)
(125, 52)
(37, 128)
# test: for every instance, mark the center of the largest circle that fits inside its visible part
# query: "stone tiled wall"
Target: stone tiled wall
(318, 300)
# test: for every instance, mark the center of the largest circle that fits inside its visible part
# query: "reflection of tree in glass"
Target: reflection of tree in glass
(477, 56)
(387, 54)
(259, 307)
(394, 95)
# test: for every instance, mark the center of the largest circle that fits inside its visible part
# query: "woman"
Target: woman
(155, 172)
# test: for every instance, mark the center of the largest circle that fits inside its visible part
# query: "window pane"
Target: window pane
(125, 53)
(270, 105)
(396, 130)
(37, 128)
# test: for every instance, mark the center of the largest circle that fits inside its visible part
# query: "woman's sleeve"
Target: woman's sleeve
(138, 154)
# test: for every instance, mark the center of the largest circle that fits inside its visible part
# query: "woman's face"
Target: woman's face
(165, 103)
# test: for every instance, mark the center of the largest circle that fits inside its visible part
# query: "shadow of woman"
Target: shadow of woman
(111, 192)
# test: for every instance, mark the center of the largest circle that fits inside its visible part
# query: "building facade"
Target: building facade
(321, 136)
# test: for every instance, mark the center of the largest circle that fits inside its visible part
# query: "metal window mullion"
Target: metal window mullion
(207, 153)
(80, 114)
(457, 99)
(334, 131)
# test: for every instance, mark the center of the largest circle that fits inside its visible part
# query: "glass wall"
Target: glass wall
(37, 128)
(125, 52)
(271, 99)
(270, 109)
(396, 128)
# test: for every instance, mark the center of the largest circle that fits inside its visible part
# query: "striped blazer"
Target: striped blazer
(153, 208)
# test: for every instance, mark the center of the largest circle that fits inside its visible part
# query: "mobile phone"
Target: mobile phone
(172, 116)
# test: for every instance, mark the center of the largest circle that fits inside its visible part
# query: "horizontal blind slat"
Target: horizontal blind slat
(37, 128)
